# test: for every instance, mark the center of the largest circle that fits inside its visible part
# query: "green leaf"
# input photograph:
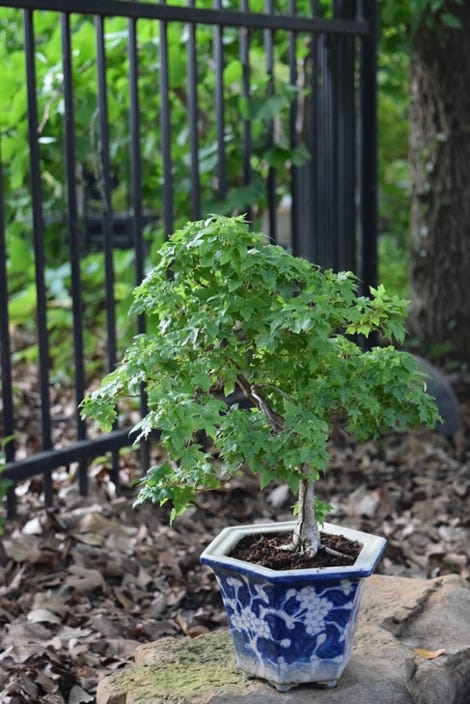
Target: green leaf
(269, 108)
(242, 315)
(300, 156)
(22, 306)
(233, 71)
(177, 65)
(450, 20)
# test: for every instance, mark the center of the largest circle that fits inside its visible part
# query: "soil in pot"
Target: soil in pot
(263, 550)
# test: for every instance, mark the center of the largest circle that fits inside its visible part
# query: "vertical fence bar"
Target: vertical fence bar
(246, 129)
(345, 66)
(137, 222)
(73, 230)
(193, 121)
(135, 159)
(313, 210)
(306, 232)
(105, 185)
(220, 107)
(315, 127)
(38, 243)
(271, 179)
(105, 182)
(324, 149)
(368, 146)
(332, 160)
(5, 355)
(165, 137)
(293, 115)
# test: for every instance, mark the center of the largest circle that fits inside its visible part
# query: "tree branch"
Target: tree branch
(275, 420)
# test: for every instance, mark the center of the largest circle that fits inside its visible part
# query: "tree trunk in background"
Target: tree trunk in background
(440, 177)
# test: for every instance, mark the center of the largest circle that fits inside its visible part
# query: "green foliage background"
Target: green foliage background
(269, 105)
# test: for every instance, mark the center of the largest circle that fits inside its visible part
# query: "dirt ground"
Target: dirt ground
(84, 583)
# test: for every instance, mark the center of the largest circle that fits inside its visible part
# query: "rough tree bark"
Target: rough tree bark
(440, 176)
(306, 536)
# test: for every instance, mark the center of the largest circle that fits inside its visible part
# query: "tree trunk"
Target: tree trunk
(440, 177)
(306, 536)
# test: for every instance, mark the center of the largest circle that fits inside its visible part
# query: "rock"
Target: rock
(412, 646)
(438, 386)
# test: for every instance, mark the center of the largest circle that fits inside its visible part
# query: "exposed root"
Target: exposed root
(287, 547)
(332, 552)
(305, 549)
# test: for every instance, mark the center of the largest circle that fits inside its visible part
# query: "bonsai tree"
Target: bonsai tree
(228, 314)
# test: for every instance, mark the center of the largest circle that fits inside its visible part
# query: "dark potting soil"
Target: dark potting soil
(264, 550)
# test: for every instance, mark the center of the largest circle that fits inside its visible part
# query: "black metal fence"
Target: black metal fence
(120, 120)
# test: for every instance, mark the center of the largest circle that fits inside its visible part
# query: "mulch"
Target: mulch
(85, 582)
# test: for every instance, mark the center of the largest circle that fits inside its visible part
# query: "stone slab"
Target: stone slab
(398, 617)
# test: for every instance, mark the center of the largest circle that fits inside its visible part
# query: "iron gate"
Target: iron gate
(122, 119)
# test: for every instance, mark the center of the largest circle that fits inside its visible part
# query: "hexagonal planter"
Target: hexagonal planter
(291, 626)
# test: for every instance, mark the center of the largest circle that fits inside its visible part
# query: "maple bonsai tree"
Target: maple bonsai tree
(227, 312)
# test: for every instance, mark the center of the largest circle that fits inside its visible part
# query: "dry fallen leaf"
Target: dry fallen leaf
(79, 696)
(43, 616)
(429, 654)
(83, 580)
(116, 576)
(33, 527)
(23, 549)
(198, 630)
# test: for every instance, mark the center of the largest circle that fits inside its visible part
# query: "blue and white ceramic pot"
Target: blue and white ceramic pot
(291, 626)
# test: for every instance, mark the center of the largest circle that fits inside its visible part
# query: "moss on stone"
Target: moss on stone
(179, 672)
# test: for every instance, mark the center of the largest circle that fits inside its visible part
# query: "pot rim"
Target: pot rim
(216, 554)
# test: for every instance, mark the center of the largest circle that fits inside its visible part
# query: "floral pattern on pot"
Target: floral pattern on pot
(288, 635)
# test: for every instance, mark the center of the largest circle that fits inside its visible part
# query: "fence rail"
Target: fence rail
(220, 16)
(138, 116)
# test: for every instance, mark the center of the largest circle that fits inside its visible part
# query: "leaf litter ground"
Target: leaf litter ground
(84, 583)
